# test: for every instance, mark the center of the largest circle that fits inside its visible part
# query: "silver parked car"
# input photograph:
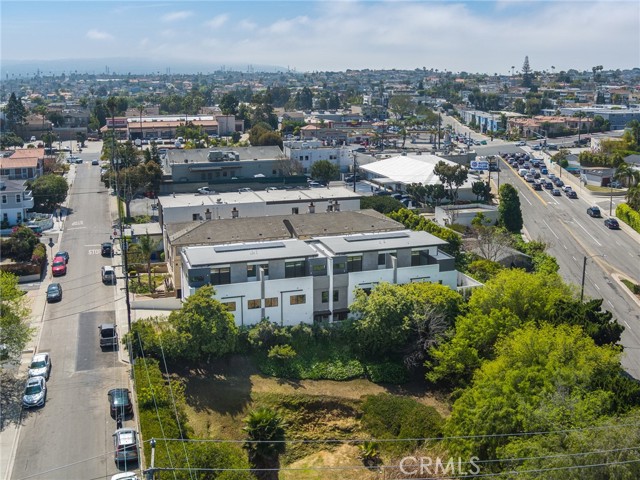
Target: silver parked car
(40, 365)
(35, 393)
(125, 445)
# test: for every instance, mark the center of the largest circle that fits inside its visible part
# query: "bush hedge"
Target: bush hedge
(629, 216)
(388, 416)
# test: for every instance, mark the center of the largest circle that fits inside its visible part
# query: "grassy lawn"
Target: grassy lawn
(220, 397)
(597, 188)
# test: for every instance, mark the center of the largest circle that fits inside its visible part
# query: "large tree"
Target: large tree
(49, 191)
(510, 214)
(15, 113)
(324, 171)
(205, 326)
(14, 314)
(265, 442)
(543, 378)
(228, 104)
(453, 176)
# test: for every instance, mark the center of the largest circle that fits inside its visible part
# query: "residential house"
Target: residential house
(15, 201)
(311, 276)
(25, 163)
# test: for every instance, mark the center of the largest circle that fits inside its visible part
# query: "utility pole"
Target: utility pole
(354, 172)
(150, 472)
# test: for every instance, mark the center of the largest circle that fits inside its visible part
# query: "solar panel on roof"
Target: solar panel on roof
(248, 246)
(376, 236)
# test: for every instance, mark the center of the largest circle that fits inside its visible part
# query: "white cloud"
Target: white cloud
(247, 25)
(217, 21)
(177, 16)
(94, 34)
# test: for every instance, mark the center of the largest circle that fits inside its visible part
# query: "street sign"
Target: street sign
(51, 244)
(479, 165)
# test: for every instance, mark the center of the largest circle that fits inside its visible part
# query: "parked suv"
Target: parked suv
(108, 275)
(125, 445)
(594, 212)
(108, 335)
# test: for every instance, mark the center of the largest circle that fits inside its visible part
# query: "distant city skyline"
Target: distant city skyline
(202, 36)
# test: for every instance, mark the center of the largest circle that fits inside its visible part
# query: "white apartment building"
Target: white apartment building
(310, 151)
(314, 279)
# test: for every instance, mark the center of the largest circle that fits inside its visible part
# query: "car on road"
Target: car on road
(529, 177)
(558, 183)
(40, 365)
(551, 176)
(125, 445)
(244, 189)
(315, 185)
(594, 212)
(62, 254)
(35, 392)
(351, 178)
(544, 171)
(548, 185)
(555, 192)
(537, 185)
(521, 144)
(571, 194)
(108, 335)
(59, 267)
(106, 249)
(95, 161)
(54, 293)
(206, 191)
(120, 402)
(108, 274)
(612, 224)
(537, 147)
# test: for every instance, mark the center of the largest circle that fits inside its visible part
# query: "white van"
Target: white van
(108, 275)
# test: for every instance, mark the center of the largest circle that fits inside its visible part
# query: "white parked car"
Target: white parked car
(40, 365)
(206, 191)
(521, 144)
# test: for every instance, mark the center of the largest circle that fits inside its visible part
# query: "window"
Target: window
(297, 299)
(19, 218)
(253, 304)
(354, 263)
(318, 268)
(17, 198)
(382, 259)
(417, 258)
(294, 269)
(5, 217)
(271, 302)
(203, 176)
(252, 270)
(325, 296)
(294, 211)
(231, 306)
(195, 216)
(220, 276)
(4, 199)
(273, 172)
(224, 174)
(339, 266)
(195, 279)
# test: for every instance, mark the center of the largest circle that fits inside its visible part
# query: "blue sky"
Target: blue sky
(472, 36)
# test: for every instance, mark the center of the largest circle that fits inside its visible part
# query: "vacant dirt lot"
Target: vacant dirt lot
(220, 397)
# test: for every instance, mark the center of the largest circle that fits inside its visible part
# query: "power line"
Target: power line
(414, 439)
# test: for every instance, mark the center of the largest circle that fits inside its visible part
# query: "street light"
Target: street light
(584, 269)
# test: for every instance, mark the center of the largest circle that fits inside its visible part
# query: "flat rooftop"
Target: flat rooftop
(259, 196)
(252, 229)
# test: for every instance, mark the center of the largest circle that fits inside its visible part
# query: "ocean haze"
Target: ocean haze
(100, 66)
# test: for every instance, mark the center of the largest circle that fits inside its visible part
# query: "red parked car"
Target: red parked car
(59, 266)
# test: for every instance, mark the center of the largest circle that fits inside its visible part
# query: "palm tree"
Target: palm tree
(634, 126)
(265, 429)
(633, 197)
(628, 173)
(147, 247)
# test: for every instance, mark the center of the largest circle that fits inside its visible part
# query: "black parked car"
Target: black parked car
(107, 249)
(594, 212)
(54, 292)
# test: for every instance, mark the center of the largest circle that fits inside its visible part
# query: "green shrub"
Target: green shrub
(387, 372)
(281, 352)
(390, 416)
(266, 334)
(633, 287)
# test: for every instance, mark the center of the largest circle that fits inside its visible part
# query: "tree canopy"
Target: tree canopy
(324, 171)
(543, 378)
(49, 190)
(205, 326)
(510, 214)
(14, 314)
